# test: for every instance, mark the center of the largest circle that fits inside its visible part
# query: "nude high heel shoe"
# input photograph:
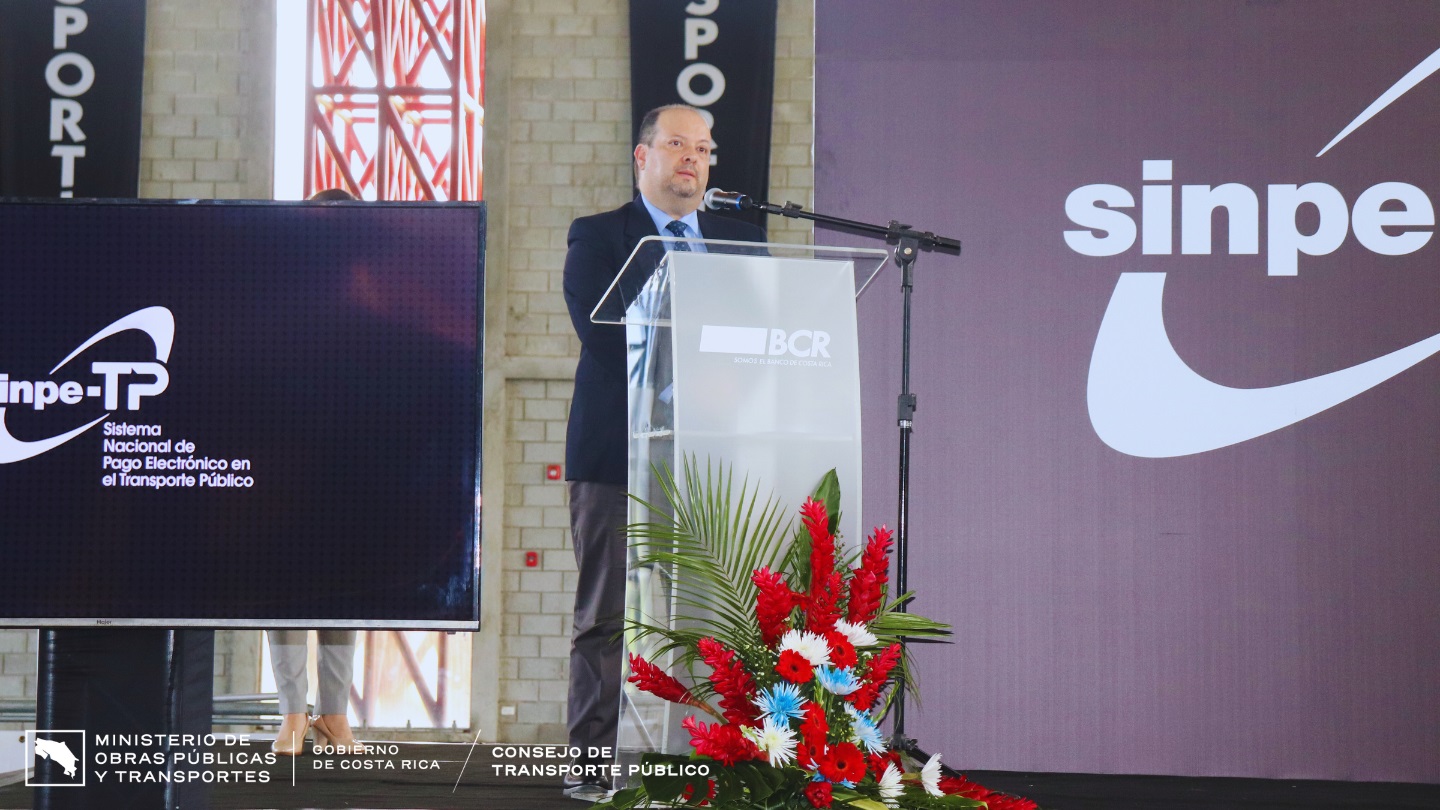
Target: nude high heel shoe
(326, 737)
(295, 745)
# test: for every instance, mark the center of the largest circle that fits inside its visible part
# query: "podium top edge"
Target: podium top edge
(750, 247)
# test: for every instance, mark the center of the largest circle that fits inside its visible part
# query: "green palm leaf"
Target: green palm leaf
(711, 538)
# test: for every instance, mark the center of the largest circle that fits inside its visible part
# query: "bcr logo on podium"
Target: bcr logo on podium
(760, 340)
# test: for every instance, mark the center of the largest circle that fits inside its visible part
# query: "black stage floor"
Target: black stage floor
(448, 781)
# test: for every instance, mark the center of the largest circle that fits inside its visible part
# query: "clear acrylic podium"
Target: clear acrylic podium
(742, 354)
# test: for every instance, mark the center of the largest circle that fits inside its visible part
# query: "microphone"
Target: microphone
(717, 200)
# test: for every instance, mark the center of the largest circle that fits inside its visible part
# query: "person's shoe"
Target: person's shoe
(587, 789)
(335, 736)
(592, 786)
(290, 743)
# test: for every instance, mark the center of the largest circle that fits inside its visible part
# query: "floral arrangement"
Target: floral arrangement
(800, 651)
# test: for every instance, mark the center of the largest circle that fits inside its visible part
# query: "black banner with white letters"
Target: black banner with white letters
(70, 85)
(719, 56)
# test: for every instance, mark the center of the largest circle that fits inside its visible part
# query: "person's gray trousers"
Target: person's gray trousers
(597, 525)
(336, 662)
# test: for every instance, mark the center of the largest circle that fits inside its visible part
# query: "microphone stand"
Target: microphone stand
(909, 242)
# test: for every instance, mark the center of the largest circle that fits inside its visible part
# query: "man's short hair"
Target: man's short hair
(651, 121)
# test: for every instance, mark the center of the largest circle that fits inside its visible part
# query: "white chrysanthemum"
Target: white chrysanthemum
(889, 783)
(777, 740)
(857, 634)
(812, 647)
(930, 776)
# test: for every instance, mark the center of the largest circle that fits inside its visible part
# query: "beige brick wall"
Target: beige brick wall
(536, 627)
(18, 656)
(557, 147)
(208, 108)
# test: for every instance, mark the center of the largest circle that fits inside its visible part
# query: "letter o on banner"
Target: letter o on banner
(682, 84)
(87, 74)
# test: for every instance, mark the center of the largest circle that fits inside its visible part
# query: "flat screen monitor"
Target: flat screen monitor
(240, 414)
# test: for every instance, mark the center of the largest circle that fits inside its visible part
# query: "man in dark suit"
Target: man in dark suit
(672, 165)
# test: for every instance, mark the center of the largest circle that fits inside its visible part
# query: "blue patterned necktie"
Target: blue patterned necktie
(677, 228)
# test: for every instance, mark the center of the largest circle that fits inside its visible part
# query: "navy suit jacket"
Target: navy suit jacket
(595, 443)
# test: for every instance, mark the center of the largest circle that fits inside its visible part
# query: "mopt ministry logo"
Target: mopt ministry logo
(55, 757)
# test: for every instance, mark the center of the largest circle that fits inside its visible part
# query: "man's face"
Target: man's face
(674, 167)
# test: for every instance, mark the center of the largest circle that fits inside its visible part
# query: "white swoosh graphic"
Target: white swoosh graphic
(157, 322)
(12, 449)
(1417, 74)
(1144, 401)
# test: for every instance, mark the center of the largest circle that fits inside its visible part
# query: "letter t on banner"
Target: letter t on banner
(718, 56)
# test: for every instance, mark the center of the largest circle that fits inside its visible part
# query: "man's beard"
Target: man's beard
(685, 189)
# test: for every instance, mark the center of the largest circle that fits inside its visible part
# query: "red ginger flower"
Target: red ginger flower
(881, 664)
(658, 682)
(794, 667)
(816, 520)
(720, 741)
(774, 601)
(825, 583)
(875, 677)
(843, 763)
(864, 698)
(819, 794)
(732, 682)
(865, 595)
(823, 610)
(867, 585)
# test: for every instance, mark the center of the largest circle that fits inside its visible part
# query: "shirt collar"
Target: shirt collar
(691, 220)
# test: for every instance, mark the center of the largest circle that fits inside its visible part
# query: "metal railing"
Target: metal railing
(227, 710)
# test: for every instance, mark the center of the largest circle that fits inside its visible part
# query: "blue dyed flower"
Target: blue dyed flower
(864, 732)
(782, 702)
(836, 681)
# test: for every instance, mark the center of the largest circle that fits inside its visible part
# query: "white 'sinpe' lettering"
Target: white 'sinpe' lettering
(1390, 219)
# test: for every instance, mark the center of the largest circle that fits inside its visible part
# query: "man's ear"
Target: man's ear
(640, 156)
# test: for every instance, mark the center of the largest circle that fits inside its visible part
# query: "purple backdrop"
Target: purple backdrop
(1260, 609)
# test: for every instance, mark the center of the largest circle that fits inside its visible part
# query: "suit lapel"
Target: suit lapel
(638, 224)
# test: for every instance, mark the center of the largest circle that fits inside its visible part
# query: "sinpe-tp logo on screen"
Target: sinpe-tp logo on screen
(1144, 400)
(113, 383)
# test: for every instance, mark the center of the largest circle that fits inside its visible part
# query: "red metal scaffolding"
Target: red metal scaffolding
(393, 107)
